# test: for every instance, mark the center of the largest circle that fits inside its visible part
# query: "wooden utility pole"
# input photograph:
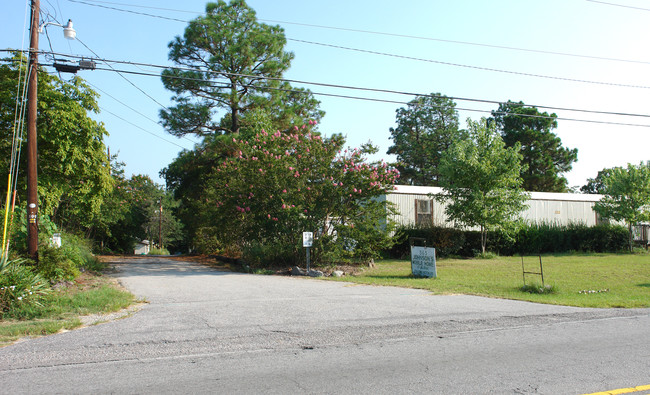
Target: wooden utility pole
(160, 225)
(32, 109)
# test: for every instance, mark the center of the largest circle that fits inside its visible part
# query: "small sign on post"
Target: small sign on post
(423, 261)
(307, 242)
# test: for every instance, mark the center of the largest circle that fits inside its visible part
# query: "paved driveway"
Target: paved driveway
(204, 330)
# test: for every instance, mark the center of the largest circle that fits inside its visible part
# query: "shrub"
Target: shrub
(206, 241)
(269, 254)
(19, 285)
(526, 239)
(55, 265)
(158, 251)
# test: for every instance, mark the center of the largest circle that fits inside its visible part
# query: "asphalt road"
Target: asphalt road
(205, 331)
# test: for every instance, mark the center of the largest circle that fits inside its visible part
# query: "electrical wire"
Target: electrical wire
(399, 102)
(470, 66)
(126, 79)
(131, 108)
(387, 34)
(339, 86)
(452, 64)
(141, 128)
(619, 5)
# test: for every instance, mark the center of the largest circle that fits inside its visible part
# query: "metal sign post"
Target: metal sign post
(307, 242)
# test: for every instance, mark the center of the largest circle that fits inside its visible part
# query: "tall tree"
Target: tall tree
(545, 158)
(74, 173)
(627, 195)
(426, 128)
(227, 61)
(596, 185)
(481, 180)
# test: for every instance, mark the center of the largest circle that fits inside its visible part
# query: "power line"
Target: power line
(141, 128)
(126, 79)
(489, 69)
(374, 90)
(129, 11)
(339, 86)
(619, 5)
(470, 66)
(132, 109)
(399, 102)
(387, 34)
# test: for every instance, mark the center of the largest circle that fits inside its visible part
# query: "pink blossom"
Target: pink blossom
(284, 191)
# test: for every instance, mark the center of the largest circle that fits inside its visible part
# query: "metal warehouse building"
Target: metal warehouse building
(416, 205)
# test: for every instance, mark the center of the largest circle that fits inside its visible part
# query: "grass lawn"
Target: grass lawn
(61, 309)
(623, 279)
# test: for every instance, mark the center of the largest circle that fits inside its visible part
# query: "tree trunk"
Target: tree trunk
(629, 228)
(483, 239)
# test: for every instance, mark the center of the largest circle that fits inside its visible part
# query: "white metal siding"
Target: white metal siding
(559, 208)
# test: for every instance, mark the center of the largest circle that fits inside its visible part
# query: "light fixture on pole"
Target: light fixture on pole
(32, 110)
(68, 30)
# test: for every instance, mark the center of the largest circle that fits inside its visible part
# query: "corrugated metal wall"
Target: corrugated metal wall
(562, 212)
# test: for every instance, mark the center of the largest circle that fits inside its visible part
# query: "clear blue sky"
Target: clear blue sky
(578, 27)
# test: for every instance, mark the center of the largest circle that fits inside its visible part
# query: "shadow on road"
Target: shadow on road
(162, 266)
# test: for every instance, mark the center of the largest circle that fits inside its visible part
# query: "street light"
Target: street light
(32, 109)
(68, 30)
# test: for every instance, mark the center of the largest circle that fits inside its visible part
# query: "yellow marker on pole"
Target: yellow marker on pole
(4, 232)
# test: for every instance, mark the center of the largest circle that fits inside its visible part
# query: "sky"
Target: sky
(565, 54)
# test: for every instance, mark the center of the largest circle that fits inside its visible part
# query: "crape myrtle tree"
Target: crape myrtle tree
(627, 195)
(425, 129)
(544, 157)
(227, 60)
(277, 185)
(481, 180)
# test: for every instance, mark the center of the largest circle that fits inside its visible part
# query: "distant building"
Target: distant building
(141, 248)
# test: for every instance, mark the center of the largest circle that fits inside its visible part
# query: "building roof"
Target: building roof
(575, 197)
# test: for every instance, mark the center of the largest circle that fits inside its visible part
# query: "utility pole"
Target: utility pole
(32, 108)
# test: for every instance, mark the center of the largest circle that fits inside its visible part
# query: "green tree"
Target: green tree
(596, 185)
(426, 128)
(481, 180)
(276, 185)
(74, 172)
(228, 60)
(544, 157)
(627, 195)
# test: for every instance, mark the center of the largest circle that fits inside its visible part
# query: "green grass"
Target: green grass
(622, 279)
(62, 309)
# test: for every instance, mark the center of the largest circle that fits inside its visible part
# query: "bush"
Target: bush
(79, 251)
(527, 239)
(206, 241)
(55, 265)
(270, 254)
(158, 251)
(19, 285)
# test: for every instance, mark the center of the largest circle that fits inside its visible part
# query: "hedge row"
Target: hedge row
(530, 239)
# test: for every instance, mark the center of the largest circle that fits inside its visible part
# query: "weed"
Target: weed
(538, 289)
